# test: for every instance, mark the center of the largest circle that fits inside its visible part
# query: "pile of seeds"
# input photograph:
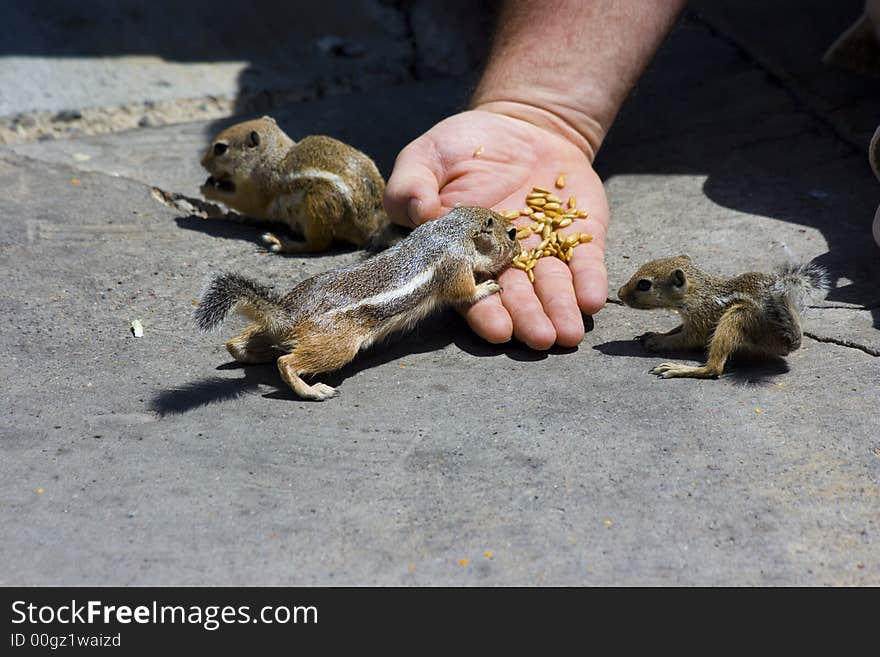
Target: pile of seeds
(550, 215)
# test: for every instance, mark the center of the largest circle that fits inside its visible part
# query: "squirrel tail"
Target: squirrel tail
(228, 291)
(803, 282)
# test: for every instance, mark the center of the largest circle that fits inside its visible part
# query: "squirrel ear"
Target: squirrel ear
(253, 139)
(266, 117)
(678, 278)
(685, 256)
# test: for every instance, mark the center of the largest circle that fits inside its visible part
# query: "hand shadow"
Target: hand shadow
(468, 341)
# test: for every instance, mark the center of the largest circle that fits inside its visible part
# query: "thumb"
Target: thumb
(412, 195)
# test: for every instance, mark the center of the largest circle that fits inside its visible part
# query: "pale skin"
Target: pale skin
(558, 72)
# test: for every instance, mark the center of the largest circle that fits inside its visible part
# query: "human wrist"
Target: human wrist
(544, 111)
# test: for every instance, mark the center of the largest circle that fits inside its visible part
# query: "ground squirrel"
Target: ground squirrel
(324, 321)
(750, 312)
(323, 189)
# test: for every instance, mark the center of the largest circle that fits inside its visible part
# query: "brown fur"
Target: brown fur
(324, 321)
(751, 312)
(323, 189)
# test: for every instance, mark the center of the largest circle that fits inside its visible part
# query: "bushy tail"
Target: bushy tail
(803, 283)
(226, 291)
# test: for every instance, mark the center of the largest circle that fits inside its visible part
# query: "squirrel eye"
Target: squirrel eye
(254, 139)
(511, 233)
(220, 148)
(643, 285)
(489, 222)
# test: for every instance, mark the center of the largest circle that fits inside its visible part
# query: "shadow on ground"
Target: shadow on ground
(251, 231)
(432, 335)
(742, 369)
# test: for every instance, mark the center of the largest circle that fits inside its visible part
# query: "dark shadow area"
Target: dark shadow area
(377, 124)
(434, 334)
(792, 37)
(634, 349)
(214, 389)
(231, 230)
(748, 370)
(251, 232)
(742, 369)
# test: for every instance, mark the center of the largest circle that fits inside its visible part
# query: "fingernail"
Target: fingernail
(414, 211)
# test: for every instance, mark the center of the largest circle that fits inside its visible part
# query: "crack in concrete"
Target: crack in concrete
(194, 206)
(838, 307)
(844, 343)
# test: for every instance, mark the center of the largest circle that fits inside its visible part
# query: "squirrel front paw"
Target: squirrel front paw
(487, 288)
(652, 341)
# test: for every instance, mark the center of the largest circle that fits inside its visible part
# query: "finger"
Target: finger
(530, 324)
(490, 320)
(412, 195)
(589, 276)
(555, 291)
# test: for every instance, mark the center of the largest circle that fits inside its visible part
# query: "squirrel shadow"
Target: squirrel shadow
(433, 334)
(743, 368)
(251, 232)
(213, 389)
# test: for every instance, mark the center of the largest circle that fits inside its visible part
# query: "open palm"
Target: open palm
(487, 159)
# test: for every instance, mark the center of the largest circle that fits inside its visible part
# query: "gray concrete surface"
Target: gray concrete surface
(157, 461)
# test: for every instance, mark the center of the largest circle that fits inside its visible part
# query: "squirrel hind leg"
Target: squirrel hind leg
(677, 370)
(317, 237)
(291, 369)
(315, 353)
(730, 334)
(317, 213)
(253, 345)
(781, 333)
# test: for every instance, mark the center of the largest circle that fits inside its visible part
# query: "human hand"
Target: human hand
(483, 158)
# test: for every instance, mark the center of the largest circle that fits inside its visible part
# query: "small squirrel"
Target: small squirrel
(325, 320)
(752, 312)
(323, 189)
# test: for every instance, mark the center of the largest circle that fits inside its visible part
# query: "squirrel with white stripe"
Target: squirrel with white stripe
(753, 312)
(323, 189)
(322, 323)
